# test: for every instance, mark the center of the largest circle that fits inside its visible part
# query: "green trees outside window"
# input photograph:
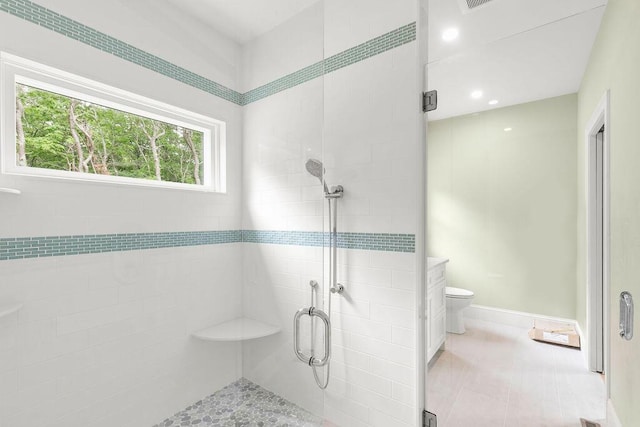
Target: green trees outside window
(57, 132)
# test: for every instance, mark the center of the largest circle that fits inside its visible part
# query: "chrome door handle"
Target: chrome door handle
(626, 315)
(310, 359)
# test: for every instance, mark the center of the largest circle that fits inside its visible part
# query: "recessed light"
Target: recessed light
(476, 94)
(450, 34)
(508, 129)
(493, 102)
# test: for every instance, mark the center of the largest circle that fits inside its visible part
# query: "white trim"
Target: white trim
(583, 344)
(422, 375)
(421, 224)
(600, 117)
(612, 416)
(503, 316)
(14, 69)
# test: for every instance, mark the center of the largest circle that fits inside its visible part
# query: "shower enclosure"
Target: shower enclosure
(332, 198)
(292, 297)
(315, 168)
(332, 206)
(285, 203)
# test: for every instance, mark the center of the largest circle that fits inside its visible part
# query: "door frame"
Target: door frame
(599, 118)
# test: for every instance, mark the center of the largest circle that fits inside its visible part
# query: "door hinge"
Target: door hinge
(429, 101)
(429, 419)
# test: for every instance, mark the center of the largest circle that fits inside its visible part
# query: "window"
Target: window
(64, 126)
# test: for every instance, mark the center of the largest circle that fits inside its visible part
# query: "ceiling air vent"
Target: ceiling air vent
(469, 5)
(475, 3)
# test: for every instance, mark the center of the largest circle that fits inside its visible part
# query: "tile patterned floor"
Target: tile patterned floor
(243, 404)
(497, 376)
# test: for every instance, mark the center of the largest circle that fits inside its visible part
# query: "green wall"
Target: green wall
(502, 205)
(615, 65)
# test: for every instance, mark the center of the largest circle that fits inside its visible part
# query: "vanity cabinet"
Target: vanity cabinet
(436, 305)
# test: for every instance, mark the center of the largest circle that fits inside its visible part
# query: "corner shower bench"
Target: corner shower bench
(240, 329)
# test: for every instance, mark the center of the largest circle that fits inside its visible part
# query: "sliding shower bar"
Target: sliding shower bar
(315, 168)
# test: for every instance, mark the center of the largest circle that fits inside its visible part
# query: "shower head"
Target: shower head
(315, 168)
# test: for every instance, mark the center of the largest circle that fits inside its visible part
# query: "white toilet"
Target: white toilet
(457, 300)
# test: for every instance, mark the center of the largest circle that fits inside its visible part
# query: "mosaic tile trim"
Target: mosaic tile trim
(283, 83)
(243, 403)
(367, 241)
(378, 242)
(51, 20)
(54, 21)
(375, 46)
(38, 247)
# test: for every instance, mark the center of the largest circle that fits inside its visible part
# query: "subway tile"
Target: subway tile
(402, 393)
(382, 349)
(366, 275)
(393, 372)
(351, 307)
(361, 326)
(44, 372)
(54, 346)
(403, 279)
(23, 400)
(398, 298)
(351, 357)
(390, 407)
(362, 378)
(342, 419)
(140, 323)
(46, 18)
(393, 316)
(404, 337)
(381, 419)
(351, 407)
(87, 320)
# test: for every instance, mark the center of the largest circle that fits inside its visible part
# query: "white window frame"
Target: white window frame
(15, 70)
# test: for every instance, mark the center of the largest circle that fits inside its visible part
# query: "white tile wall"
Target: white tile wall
(370, 141)
(164, 31)
(279, 134)
(74, 348)
(292, 53)
(349, 23)
(276, 285)
(359, 121)
(74, 207)
(104, 339)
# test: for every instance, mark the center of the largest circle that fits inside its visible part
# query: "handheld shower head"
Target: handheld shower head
(315, 168)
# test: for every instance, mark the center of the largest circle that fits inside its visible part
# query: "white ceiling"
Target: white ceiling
(242, 20)
(515, 51)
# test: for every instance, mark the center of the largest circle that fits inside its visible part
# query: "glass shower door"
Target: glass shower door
(283, 260)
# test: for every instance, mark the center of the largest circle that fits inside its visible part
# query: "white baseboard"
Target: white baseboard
(518, 319)
(583, 345)
(612, 417)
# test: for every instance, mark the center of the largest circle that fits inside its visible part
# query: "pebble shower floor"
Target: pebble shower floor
(243, 404)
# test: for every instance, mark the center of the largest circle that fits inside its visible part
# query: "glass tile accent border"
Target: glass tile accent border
(367, 241)
(40, 247)
(283, 83)
(398, 37)
(54, 21)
